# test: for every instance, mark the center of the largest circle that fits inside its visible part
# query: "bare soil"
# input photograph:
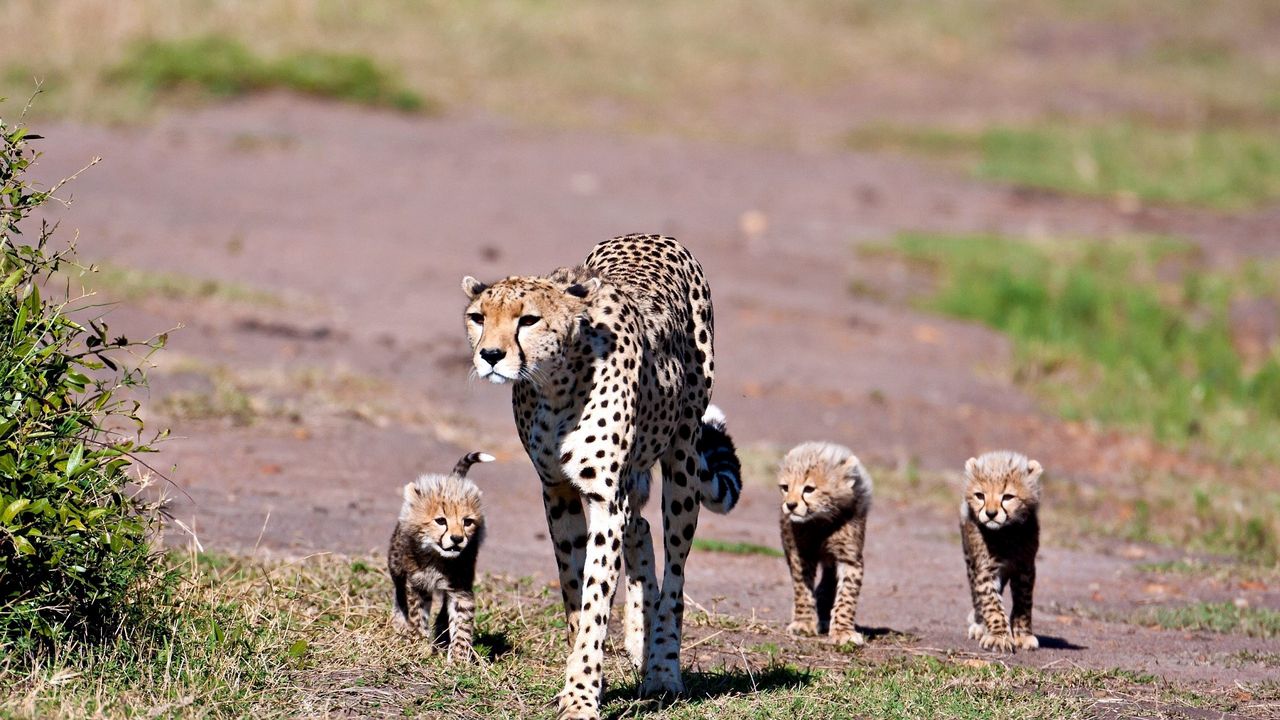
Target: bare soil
(363, 223)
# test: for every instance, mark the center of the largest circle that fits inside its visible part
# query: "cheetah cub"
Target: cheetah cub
(826, 494)
(1001, 534)
(433, 556)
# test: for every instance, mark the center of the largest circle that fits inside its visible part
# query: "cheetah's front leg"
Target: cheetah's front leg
(568, 529)
(642, 584)
(804, 570)
(849, 574)
(1021, 586)
(462, 613)
(584, 681)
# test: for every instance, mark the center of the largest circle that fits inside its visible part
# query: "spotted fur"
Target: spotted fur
(612, 369)
(432, 557)
(1000, 531)
(826, 495)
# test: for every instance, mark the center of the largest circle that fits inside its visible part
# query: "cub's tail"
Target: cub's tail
(471, 458)
(718, 466)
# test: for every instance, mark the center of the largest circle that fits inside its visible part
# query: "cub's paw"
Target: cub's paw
(846, 637)
(803, 628)
(976, 630)
(1026, 641)
(1002, 642)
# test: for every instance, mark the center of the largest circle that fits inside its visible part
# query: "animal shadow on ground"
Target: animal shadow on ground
(1049, 642)
(496, 643)
(705, 685)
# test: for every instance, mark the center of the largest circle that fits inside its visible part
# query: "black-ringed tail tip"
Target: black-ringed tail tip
(718, 465)
(470, 459)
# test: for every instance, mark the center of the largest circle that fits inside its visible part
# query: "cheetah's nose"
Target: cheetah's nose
(991, 514)
(457, 539)
(792, 505)
(492, 355)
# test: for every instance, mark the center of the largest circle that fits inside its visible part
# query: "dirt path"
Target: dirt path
(362, 224)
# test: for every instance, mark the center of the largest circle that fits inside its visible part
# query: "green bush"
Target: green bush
(74, 535)
(224, 67)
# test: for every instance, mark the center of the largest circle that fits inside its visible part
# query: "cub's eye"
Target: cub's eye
(979, 496)
(477, 318)
(468, 522)
(808, 489)
(1007, 497)
(784, 488)
(441, 522)
(527, 320)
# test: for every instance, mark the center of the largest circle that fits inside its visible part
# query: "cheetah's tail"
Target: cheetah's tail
(468, 460)
(718, 466)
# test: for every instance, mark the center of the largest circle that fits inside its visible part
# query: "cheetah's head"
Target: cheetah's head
(1001, 488)
(520, 324)
(819, 481)
(442, 514)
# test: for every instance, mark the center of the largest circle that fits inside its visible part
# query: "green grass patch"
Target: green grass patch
(1134, 334)
(241, 638)
(121, 283)
(1223, 617)
(224, 67)
(734, 548)
(1219, 167)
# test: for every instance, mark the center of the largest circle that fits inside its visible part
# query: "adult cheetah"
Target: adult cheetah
(612, 369)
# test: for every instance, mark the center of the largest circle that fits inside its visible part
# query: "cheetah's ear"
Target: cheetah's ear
(1034, 470)
(585, 290)
(971, 466)
(473, 287)
(411, 492)
(853, 468)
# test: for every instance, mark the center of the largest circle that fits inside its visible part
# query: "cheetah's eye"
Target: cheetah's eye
(477, 318)
(441, 521)
(1007, 497)
(808, 489)
(468, 522)
(979, 496)
(527, 320)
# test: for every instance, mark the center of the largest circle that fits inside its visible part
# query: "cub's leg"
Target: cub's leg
(804, 569)
(420, 611)
(1022, 586)
(846, 546)
(400, 612)
(642, 584)
(680, 502)
(567, 526)
(985, 587)
(462, 613)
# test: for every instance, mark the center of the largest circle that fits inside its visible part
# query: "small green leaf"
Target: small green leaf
(297, 649)
(14, 508)
(23, 545)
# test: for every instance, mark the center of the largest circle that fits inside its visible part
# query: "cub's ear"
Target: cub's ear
(585, 290)
(853, 467)
(411, 492)
(473, 287)
(1034, 471)
(971, 466)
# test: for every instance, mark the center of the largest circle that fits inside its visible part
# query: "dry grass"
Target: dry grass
(671, 66)
(311, 638)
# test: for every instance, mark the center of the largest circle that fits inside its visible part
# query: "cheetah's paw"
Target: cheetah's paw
(1026, 641)
(845, 637)
(1002, 642)
(976, 630)
(803, 628)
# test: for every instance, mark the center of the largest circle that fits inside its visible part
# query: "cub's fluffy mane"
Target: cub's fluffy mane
(1005, 463)
(433, 489)
(826, 456)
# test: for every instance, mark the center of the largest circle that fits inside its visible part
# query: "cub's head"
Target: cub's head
(442, 514)
(1001, 488)
(822, 480)
(521, 323)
